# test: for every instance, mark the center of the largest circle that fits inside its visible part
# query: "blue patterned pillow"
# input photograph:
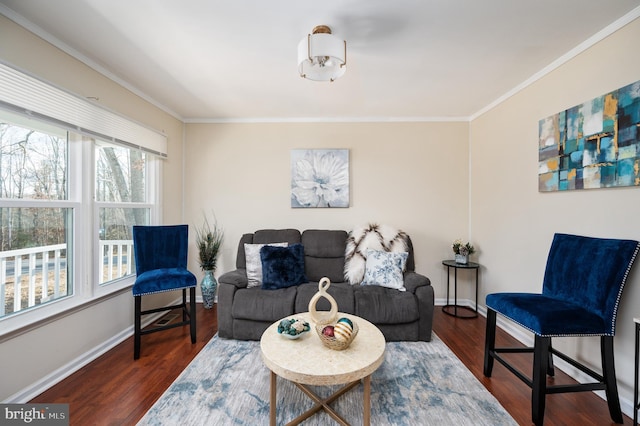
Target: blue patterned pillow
(282, 266)
(385, 269)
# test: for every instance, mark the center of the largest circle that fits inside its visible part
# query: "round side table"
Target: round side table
(306, 361)
(454, 309)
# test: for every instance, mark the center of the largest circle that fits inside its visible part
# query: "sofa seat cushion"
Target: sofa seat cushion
(381, 305)
(263, 305)
(341, 292)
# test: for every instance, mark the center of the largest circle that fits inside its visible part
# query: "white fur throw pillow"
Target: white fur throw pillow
(374, 237)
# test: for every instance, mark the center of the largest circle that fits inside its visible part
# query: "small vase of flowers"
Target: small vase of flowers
(462, 251)
(209, 241)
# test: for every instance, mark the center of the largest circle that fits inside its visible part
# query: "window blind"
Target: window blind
(29, 96)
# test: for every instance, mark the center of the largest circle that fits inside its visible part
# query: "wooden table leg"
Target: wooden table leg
(366, 417)
(272, 400)
(323, 404)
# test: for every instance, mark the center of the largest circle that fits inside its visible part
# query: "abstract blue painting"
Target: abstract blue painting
(319, 178)
(592, 145)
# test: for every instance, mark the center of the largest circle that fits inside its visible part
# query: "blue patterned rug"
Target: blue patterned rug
(419, 383)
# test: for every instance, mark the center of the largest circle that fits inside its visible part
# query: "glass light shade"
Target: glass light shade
(322, 57)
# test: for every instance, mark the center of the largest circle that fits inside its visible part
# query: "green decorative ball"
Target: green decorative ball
(346, 321)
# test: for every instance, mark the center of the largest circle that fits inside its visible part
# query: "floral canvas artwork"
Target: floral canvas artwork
(592, 145)
(319, 178)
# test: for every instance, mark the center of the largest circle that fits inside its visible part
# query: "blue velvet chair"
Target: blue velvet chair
(583, 283)
(161, 265)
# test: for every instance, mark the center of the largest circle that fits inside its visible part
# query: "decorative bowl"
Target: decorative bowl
(342, 336)
(293, 336)
(293, 328)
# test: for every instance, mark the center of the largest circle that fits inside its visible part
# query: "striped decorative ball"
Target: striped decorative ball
(342, 331)
(346, 321)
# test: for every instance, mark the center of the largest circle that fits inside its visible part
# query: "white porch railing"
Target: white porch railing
(35, 270)
(31, 276)
(117, 259)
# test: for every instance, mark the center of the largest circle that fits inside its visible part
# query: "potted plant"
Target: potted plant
(209, 241)
(462, 251)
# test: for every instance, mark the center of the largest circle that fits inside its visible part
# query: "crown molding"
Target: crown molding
(327, 120)
(590, 42)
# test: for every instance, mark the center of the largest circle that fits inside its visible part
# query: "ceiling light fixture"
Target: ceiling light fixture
(321, 55)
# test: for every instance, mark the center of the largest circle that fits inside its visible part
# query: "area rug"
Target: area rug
(419, 383)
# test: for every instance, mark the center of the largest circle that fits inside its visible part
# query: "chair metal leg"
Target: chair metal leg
(609, 375)
(192, 313)
(136, 328)
(539, 382)
(489, 342)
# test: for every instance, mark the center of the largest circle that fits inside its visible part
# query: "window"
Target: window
(38, 207)
(74, 179)
(121, 200)
(36, 218)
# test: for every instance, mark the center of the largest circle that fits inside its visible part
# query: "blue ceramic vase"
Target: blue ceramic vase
(208, 287)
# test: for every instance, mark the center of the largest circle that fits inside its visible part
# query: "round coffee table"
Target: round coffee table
(306, 361)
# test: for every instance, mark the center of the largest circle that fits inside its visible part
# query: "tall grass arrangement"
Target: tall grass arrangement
(209, 240)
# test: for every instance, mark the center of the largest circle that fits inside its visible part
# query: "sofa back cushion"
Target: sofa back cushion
(265, 236)
(241, 259)
(411, 263)
(324, 254)
(324, 250)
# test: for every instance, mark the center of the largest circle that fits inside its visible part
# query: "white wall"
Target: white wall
(49, 350)
(513, 223)
(415, 176)
(409, 175)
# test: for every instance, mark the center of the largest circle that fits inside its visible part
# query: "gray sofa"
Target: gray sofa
(244, 313)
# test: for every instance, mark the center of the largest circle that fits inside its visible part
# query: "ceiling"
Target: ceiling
(221, 60)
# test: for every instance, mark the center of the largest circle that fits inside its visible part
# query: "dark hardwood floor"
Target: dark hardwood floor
(465, 337)
(115, 390)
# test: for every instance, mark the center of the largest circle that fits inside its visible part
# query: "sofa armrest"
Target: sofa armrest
(413, 280)
(237, 278)
(425, 297)
(420, 285)
(228, 284)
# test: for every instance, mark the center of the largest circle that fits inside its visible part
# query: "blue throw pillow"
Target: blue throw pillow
(282, 266)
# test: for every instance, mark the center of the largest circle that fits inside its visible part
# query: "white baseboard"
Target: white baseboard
(526, 338)
(27, 394)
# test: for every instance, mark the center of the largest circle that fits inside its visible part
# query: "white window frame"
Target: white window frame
(152, 188)
(31, 97)
(76, 290)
